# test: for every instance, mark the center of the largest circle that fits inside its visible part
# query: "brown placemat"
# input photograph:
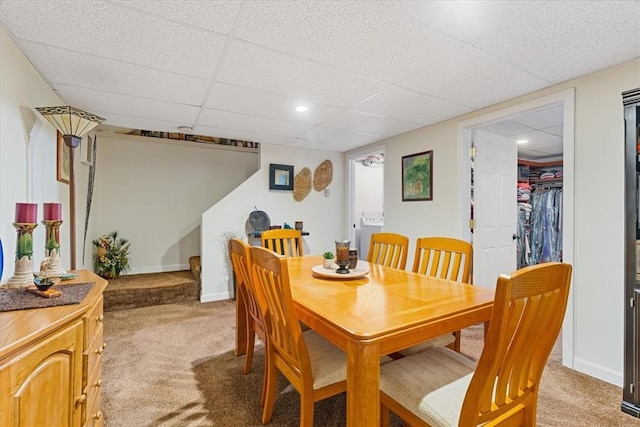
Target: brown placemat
(21, 299)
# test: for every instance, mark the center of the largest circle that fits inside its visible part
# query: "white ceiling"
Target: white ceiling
(541, 129)
(367, 70)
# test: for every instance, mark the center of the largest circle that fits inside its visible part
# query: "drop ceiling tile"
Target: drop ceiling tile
(71, 68)
(89, 99)
(244, 122)
(337, 136)
(465, 20)
(132, 122)
(321, 145)
(369, 124)
(555, 130)
(350, 35)
(544, 118)
(113, 31)
(260, 69)
(217, 16)
(541, 141)
(473, 78)
(506, 128)
(263, 104)
(533, 155)
(562, 40)
(410, 106)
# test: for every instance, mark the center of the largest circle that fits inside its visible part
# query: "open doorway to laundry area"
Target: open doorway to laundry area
(492, 158)
(367, 203)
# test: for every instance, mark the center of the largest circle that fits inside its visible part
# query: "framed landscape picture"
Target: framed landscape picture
(417, 176)
(280, 177)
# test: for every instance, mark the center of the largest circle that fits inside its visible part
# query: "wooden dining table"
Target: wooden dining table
(384, 311)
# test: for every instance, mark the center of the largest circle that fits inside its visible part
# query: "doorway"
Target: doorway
(491, 121)
(367, 201)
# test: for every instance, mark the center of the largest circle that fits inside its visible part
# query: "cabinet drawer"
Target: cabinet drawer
(92, 357)
(94, 413)
(92, 390)
(93, 321)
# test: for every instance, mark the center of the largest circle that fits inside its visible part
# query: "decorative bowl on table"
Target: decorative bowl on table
(45, 283)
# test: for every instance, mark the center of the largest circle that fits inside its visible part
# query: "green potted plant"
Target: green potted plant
(110, 255)
(327, 259)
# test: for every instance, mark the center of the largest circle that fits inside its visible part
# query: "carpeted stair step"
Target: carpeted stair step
(143, 290)
(196, 267)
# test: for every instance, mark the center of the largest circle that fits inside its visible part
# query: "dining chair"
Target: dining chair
(446, 258)
(442, 387)
(255, 325)
(283, 241)
(388, 249)
(314, 367)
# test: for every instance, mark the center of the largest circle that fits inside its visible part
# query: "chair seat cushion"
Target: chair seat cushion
(328, 362)
(441, 341)
(432, 384)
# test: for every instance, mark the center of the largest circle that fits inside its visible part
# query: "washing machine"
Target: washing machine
(370, 222)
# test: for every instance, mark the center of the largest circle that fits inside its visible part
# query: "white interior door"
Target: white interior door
(495, 214)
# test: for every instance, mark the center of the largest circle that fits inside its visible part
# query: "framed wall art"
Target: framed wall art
(86, 151)
(417, 176)
(280, 177)
(63, 158)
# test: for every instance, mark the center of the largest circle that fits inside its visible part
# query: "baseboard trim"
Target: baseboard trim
(598, 371)
(215, 297)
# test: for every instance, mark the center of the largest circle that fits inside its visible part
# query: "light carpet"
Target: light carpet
(173, 365)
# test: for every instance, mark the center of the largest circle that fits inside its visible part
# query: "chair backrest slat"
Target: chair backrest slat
(527, 316)
(240, 259)
(283, 241)
(443, 257)
(388, 249)
(271, 274)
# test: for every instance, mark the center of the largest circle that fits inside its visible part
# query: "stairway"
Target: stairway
(143, 290)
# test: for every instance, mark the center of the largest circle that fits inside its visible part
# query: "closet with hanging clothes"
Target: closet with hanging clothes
(539, 212)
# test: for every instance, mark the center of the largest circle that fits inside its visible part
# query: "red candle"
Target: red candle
(26, 213)
(52, 211)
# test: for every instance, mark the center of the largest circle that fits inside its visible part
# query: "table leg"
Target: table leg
(241, 326)
(363, 386)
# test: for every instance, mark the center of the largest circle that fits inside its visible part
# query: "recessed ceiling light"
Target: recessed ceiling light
(302, 108)
(522, 141)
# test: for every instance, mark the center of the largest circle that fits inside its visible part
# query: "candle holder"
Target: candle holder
(23, 272)
(52, 249)
(342, 256)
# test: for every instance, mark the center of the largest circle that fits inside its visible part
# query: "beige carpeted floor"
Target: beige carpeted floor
(173, 365)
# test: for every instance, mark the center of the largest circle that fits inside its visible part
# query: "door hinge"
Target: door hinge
(472, 224)
(472, 151)
(632, 388)
(632, 302)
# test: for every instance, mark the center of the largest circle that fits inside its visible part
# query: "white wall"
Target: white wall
(153, 192)
(27, 153)
(598, 278)
(324, 217)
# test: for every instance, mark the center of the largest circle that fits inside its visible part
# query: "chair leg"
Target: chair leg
(385, 416)
(456, 343)
(251, 343)
(263, 394)
(270, 394)
(306, 411)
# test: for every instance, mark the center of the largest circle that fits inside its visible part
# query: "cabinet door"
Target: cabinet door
(42, 386)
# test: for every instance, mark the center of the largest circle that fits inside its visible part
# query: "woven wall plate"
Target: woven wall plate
(323, 175)
(302, 184)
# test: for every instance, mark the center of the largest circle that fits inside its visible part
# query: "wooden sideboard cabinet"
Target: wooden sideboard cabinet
(51, 362)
